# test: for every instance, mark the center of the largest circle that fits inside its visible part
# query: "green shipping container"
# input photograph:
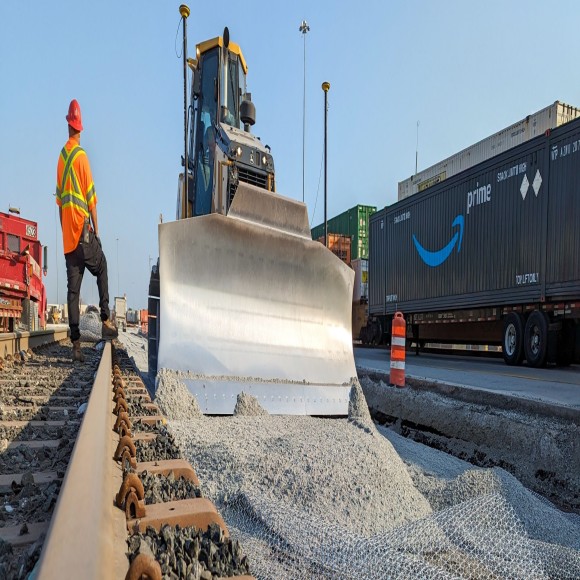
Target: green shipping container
(353, 222)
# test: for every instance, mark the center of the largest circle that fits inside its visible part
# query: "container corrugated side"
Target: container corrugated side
(474, 240)
(563, 244)
(378, 266)
(532, 126)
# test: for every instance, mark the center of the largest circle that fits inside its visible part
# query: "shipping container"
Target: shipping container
(353, 223)
(491, 255)
(339, 245)
(361, 286)
(121, 312)
(532, 126)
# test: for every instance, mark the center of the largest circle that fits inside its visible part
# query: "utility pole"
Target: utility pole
(325, 88)
(304, 28)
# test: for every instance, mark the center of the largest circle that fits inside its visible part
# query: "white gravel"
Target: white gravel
(330, 469)
(136, 345)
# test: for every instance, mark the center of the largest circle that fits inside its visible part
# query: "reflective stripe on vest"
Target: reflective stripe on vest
(73, 196)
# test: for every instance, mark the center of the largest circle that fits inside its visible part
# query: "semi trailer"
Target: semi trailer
(489, 256)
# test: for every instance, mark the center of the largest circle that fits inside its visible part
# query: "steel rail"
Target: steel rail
(87, 534)
(13, 342)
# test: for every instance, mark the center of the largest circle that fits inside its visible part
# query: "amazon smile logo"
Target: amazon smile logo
(437, 258)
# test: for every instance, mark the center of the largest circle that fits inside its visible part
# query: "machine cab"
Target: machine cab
(222, 151)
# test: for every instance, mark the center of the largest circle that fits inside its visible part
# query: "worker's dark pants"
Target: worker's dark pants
(88, 256)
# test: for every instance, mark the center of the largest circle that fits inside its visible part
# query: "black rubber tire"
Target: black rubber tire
(513, 339)
(536, 339)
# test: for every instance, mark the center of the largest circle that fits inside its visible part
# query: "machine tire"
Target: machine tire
(536, 339)
(513, 339)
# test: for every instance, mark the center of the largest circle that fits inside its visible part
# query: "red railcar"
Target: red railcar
(22, 292)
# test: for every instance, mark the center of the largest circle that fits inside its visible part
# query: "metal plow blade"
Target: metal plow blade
(250, 303)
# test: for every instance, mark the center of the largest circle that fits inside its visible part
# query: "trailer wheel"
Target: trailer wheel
(513, 339)
(536, 338)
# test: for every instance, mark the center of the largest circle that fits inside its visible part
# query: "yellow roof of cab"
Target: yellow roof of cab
(219, 41)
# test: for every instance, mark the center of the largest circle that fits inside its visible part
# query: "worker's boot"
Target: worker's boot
(77, 353)
(109, 330)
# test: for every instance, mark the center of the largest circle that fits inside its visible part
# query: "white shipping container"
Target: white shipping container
(120, 307)
(532, 126)
(361, 279)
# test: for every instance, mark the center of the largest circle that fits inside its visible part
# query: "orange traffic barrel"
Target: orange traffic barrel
(398, 340)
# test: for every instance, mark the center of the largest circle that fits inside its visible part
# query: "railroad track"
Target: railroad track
(92, 481)
(42, 396)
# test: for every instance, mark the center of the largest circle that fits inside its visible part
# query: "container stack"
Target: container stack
(353, 223)
(340, 246)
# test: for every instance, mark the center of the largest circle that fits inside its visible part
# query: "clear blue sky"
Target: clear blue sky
(463, 69)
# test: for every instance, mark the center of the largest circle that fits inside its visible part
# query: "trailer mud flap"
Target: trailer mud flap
(250, 303)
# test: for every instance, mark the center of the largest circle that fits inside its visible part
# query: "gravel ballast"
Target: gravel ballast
(190, 553)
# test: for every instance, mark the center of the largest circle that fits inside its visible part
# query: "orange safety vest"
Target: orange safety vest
(75, 192)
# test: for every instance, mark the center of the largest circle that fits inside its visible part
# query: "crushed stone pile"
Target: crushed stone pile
(331, 468)
(334, 471)
(173, 398)
(248, 405)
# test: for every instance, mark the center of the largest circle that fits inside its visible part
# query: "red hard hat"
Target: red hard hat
(74, 115)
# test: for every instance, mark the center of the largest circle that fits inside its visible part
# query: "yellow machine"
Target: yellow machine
(242, 298)
(54, 315)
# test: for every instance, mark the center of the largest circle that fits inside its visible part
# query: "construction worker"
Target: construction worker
(77, 206)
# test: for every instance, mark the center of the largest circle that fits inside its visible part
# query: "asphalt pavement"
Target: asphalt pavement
(556, 385)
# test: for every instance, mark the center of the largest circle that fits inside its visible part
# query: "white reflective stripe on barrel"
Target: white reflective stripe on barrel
(397, 341)
(397, 364)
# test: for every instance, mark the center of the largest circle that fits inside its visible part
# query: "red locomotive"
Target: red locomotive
(22, 292)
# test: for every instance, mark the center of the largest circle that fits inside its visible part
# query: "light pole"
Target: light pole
(118, 294)
(325, 88)
(184, 11)
(304, 28)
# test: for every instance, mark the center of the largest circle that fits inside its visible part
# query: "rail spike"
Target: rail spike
(131, 496)
(126, 452)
